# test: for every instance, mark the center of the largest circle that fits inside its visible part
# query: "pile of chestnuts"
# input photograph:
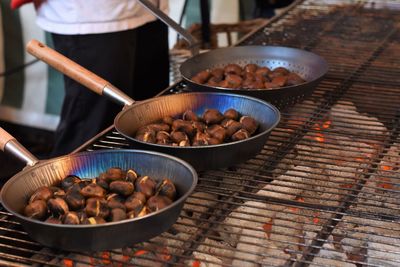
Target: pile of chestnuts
(251, 76)
(114, 195)
(211, 128)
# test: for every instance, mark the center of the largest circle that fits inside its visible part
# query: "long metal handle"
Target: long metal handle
(10, 145)
(77, 72)
(193, 43)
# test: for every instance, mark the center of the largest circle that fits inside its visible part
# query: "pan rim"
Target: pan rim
(324, 70)
(27, 169)
(265, 103)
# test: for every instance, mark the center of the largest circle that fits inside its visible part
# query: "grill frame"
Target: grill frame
(361, 209)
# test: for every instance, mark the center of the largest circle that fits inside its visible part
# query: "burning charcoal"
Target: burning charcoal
(231, 127)
(117, 215)
(167, 120)
(217, 74)
(183, 126)
(189, 115)
(94, 220)
(167, 188)
(57, 192)
(249, 123)
(115, 201)
(280, 80)
(97, 207)
(122, 187)
(42, 193)
(156, 127)
(217, 131)
(131, 175)
(53, 220)
(135, 203)
(294, 79)
(74, 200)
(177, 136)
(146, 185)
(201, 77)
(71, 218)
(252, 68)
(57, 206)
(235, 81)
(93, 190)
(201, 139)
(36, 210)
(148, 137)
(156, 203)
(240, 135)
(113, 174)
(233, 69)
(163, 138)
(212, 116)
(69, 181)
(232, 114)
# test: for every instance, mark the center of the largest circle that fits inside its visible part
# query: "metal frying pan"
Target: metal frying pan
(309, 66)
(16, 192)
(134, 115)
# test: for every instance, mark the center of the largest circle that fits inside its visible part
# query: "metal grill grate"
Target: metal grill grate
(324, 191)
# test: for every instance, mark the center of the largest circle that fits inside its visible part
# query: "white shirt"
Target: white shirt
(93, 16)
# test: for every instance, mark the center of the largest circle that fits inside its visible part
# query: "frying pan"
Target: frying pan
(137, 114)
(16, 192)
(309, 66)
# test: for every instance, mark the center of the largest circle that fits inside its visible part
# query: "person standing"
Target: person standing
(120, 41)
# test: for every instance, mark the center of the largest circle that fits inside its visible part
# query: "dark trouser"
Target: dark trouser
(135, 61)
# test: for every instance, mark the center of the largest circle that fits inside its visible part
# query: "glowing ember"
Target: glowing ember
(386, 168)
(326, 124)
(140, 252)
(68, 263)
(319, 137)
(196, 264)
(268, 227)
(106, 257)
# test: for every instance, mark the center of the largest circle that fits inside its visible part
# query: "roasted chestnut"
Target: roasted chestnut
(93, 190)
(149, 137)
(212, 116)
(135, 203)
(231, 114)
(217, 73)
(144, 211)
(36, 209)
(235, 81)
(117, 215)
(240, 135)
(42, 193)
(189, 115)
(233, 69)
(201, 139)
(71, 218)
(146, 185)
(167, 120)
(131, 175)
(294, 79)
(201, 77)
(158, 202)
(217, 131)
(53, 220)
(250, 68)
(97, 207)
(199, 126)
(249, 123)
(57, 206)
(177, 136)
(74, 200)
(183, 126)
(163, 138)
(57, 192)
(101, 181)
(166, 188)
(113, 174)
(231, 127)
(115, 201)
(123, 188)
(280, 80)
(69, 181)
(94, 220)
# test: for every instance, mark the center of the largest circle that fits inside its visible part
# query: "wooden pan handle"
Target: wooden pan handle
(4, 138)
(67, 66)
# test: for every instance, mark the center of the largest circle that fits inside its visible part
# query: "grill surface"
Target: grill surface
(325, 189)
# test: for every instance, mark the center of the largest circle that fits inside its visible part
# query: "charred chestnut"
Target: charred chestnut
(36, 209)
(146, 185)
(97, 207)
(240, 135)
(199, 126)
(212, 116)
(249, 123)
(122, 187)
(93, 190)
(117, 215)
(183, 126)
(189, 115)
(53, 220)
(166, 188)
(94, 220)
(75, 200)
(69, 181)
(135, 203)
(57, 192)
(131, 175)
(42, 193)
(115, 201)
(102, 182)
(57, 206)
(158, 202)
(113, 174)
(177, 136)
(217, 131)
(71, 218)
